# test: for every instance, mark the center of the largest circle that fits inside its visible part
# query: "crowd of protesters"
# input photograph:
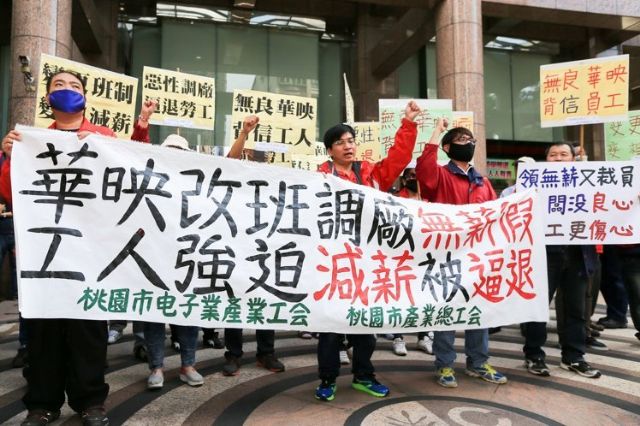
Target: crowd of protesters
(66, 357)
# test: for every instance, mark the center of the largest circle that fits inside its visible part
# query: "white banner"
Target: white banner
(586, 202)
(120, 230)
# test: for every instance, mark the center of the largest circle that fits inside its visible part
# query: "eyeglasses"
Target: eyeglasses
(341, 142)
(465, 140)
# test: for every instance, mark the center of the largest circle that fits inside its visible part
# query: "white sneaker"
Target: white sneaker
(114, 336)
(426, 343)
(155, 380)
(344, 358)
(191, 377)
(399, 347)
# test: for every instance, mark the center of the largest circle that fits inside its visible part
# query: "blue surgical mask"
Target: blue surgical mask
(66, 100)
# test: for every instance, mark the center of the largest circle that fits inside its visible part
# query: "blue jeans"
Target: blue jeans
(631, 278)
(155, 335)
(476, 347)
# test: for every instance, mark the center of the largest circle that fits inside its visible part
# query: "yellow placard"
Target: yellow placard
(463, 119)
(184, 100)
(584, 92)
(287, 123)
(111, 97)
(368, 141)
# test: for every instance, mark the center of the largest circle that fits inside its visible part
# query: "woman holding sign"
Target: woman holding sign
(67, 355)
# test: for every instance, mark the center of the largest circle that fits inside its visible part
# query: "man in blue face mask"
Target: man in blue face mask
(67, 355)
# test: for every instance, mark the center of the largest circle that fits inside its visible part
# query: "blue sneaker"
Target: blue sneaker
(326, 391)
(487, 373)
(447, 378)
(370, 386)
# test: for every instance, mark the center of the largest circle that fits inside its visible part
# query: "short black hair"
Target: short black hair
(336, 132)
(454, 134)
(405, 173)
(548, 148)
(77, 75)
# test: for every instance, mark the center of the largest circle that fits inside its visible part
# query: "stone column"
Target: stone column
(460, 69)
(370, 88)
(37, 26)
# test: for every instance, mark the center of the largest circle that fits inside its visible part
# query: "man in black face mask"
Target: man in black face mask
(456, 183)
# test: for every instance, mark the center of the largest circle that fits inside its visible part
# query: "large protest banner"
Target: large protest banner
(586, 202)
(111, 97)
(287, 123)
(122, 230)
(584, 92)
(184, 100)
(622, 138)
(391, 112)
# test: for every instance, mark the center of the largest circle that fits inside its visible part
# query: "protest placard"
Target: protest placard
(586, 202)
(348, 101)
(111, 97)
(110, 229)
(368, 147)
(584, 92)
(463, 119)
(622, 138)
(184, 100)
(287, 123)
(391, 112)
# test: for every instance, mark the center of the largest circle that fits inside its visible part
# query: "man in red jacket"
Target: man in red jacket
(67, 355)
(456, 183)
(341, 146)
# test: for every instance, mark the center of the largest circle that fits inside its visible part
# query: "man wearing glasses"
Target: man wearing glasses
(456, 183)
(341, 147)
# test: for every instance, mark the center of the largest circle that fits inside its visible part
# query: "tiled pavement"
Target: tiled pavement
(259, 397)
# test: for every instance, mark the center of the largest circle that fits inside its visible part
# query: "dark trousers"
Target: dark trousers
(571, 285)
(631, 276)
(329, 345)
(66, 355)
(233, 342)
(612, 286)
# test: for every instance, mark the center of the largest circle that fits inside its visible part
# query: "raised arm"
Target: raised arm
(427, 171)
(387, 170)
(250, 122)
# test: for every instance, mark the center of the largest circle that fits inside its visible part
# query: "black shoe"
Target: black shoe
(594, 343)
(215, 342)
(39, 417)
(175, 345)
(231, 365)
(594, 333)
(596, 326)
(537, 367)
(582, 368)
(95, 416)
(20, 360)
(638, 335)
(140, 353)
(607, 322)
(270, 362)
